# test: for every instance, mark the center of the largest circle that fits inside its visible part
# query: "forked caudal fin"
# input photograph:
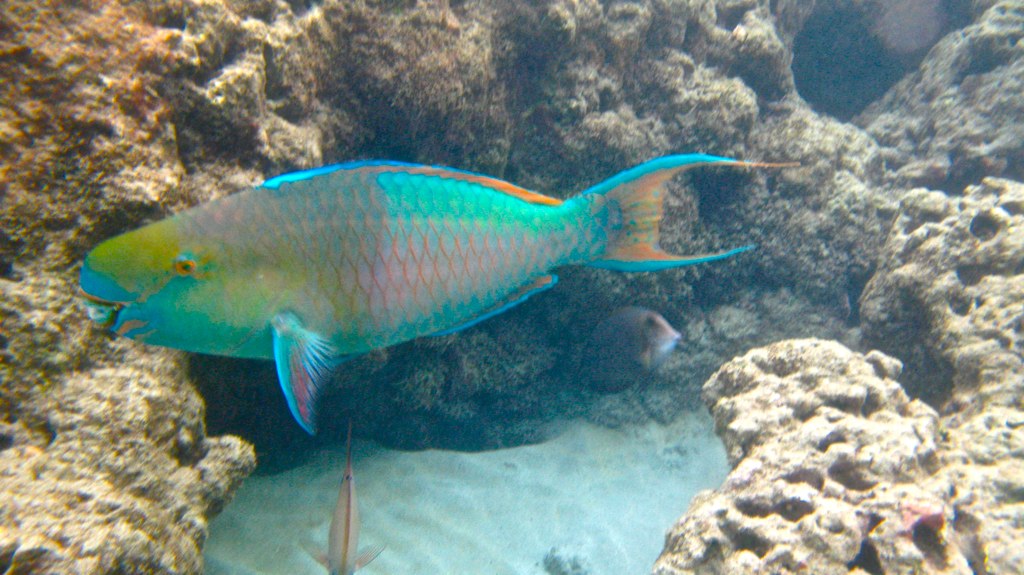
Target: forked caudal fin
(638, 193)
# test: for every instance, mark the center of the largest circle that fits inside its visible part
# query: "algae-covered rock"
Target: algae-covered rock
(104, 461)
(948, 297)
(956, 119)
(835, 469)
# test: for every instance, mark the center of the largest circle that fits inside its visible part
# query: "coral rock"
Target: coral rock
(834, 470)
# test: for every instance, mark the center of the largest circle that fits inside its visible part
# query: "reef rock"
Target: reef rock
(949, 294)
(948, 297)
(835, 470)
(120, 475)
(957, 117)
(104, 461)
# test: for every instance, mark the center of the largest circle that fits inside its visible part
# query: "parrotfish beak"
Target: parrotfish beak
(110, 282)
(117, 316)
(104, 297)
(100, 311)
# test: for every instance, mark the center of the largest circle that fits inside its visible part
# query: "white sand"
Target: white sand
(604, 497)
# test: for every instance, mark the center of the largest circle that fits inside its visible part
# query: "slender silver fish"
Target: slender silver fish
(343, 539)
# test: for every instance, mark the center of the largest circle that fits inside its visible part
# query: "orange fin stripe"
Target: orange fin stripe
(487, 181)
(641, 200)
(643, 206)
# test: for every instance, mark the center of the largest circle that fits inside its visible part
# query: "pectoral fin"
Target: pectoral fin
(304, 362)
(368, 554)
(519, 296)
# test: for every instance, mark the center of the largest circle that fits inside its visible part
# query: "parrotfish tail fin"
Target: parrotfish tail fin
(367, 555)
(304, 362)
(635, 198)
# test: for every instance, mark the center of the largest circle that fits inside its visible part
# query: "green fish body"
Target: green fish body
(312, 267)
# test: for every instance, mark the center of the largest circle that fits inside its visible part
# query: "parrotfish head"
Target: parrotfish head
(159, 286)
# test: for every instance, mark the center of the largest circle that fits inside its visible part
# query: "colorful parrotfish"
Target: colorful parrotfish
(313, 267)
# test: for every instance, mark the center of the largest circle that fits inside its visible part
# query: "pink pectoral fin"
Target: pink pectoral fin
(304, 361)
(367, 555)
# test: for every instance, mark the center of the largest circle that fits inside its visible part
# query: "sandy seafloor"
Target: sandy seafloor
(591, 494)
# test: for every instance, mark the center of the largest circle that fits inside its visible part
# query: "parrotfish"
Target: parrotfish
(630, 341)
(313, 267)
(343, 557)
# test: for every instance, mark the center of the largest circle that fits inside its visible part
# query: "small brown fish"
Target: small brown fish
(343, 539)
(630, 342)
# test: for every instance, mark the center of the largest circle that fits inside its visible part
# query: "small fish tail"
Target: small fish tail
(635, 199)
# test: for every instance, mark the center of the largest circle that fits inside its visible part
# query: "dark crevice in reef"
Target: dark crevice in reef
(7, 558)
(971, 546)
(205, 131)
(8, 251)
(857, 280)
(847, 474)
(791, 509)
(867, 559)
(243, 398)
(750, 541)
(931, 545)
(927, 375)
(809, 476)
(849, 55)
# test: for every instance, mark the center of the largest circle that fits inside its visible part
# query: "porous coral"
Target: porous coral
(103, 467)
(956, 119)
(834, 471)
(949, 297)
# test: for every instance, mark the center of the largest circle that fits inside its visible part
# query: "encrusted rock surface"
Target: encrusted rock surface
(957, 118)
(949, 297)
(823, 438)
(104, 462)
(834, 472)
(113, 113)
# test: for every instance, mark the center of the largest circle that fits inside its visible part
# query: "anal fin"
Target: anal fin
(304, 362)
(517, 297)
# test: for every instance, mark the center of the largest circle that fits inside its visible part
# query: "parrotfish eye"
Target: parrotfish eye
(184, 265)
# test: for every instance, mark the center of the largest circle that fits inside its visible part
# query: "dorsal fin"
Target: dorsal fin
(486, 181)
(440, 171)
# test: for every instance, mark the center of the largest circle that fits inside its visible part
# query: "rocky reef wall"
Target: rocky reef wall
(825, 479)
(116, 113)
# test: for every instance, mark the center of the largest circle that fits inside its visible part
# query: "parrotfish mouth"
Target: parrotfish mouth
(101, 311)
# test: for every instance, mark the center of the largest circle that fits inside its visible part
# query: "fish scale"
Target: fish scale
(312, 267)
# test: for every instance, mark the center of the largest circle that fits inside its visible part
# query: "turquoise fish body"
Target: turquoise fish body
(312, 267)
